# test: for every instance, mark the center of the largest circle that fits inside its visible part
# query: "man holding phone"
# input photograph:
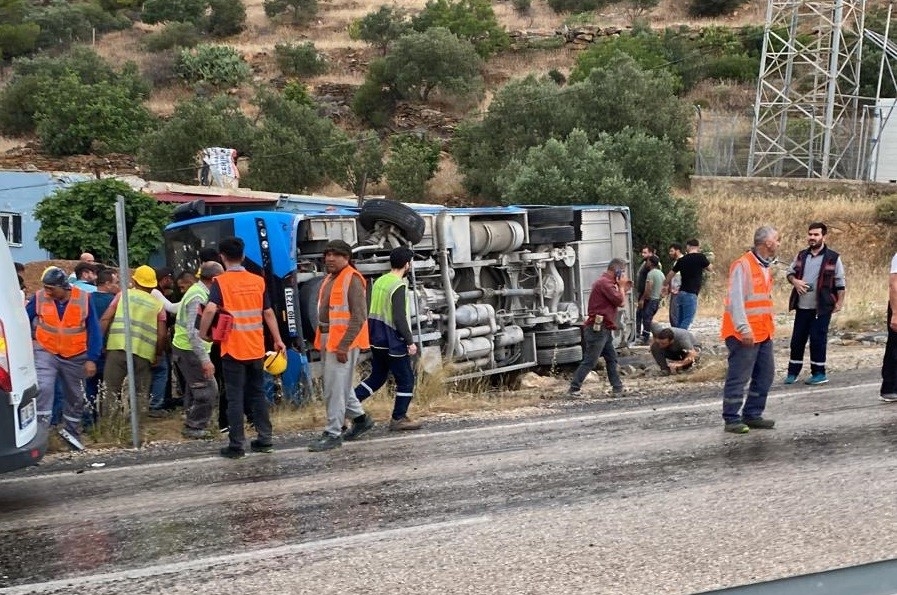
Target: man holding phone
(607, 296)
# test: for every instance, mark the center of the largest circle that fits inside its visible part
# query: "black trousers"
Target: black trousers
(889, 362)
(246, 388)
(809, 325)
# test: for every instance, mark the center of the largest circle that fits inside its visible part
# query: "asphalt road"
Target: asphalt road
(637, 495)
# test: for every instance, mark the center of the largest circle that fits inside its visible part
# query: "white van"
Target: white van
(22, 442)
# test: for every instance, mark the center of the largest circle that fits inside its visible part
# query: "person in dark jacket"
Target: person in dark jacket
(817, 278)
(607, 296)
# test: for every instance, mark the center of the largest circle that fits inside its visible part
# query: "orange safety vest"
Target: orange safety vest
(243, 295)
(757, 304)
(339, 312)
(66, 337)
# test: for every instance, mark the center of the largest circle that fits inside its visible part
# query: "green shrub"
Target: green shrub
(381, 27)
(301, 11)
(300, 60)
(886, 209)
(160, 11)
(17, 35)
(62, 23)
(18, 99)
(557, 76)
(173, 35)
(215, 65)
(713, 8)
(470, 20)
(735, 67)
(412, 162)
(297, 93)
(522, 6)
(75, 118)
(375, 100)
(575, 6)
(226, 17)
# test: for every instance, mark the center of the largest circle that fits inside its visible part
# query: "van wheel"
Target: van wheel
(409, 222)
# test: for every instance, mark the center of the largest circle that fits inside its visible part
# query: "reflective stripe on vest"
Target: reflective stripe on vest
(381, 325)
(758, 304)
(181, 338)
(243, 297)
(339, 314)
(143, 311)
(66, 336)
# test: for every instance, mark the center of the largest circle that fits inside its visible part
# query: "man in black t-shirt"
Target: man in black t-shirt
(691, 268)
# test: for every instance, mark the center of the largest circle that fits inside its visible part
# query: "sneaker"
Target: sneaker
(259, 446)
(326, 442)
(224, 430)
(816, 379)
(71, 439)
(574, 392)
(790, 378)
(737, 428)
(158, 413)
(230, 452)
(360, 425)
(617, 391)
(195, 434)
(404, 424)
(759, 423)
(890, 398)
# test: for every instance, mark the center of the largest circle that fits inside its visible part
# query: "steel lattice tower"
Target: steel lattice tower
(806, 110)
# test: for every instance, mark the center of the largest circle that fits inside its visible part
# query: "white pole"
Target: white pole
(124, 274)
(878, 111)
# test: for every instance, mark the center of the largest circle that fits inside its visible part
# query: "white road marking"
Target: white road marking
(250, 556)
(604, 415)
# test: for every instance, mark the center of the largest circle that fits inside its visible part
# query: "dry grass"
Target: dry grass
(163, 101)
(9, 143)
(727, 224)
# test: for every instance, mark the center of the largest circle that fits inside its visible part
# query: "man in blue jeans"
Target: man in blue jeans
(607, 296)
(691, 268)
(747, 330)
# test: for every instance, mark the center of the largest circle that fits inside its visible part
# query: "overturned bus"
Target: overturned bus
(495, 289)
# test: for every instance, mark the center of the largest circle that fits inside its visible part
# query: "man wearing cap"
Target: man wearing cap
(392, 345)
(148, 335)
(190, 355)
(342, 332)
(241, 295)
(67, 345)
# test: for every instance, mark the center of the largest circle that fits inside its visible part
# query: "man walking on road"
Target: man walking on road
(747, 330)
(241, 295)
(392, 345)
(67, 346)
(607, 296)
(649, 299)
(817, 277)
(190, 355)
(342, 332)
(691, 266)
(675, 284)
(888, 392)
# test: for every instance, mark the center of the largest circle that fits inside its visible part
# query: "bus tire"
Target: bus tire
(409, 222)
(539, 216)
(571, 354)
(559, 338)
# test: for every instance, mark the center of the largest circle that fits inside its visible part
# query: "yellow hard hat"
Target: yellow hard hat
(275, 363)
(145, 276)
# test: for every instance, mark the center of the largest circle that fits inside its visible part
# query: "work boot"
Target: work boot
(259, 446)
(759, 423)
(326, 442)
(230, 452)
(360, 425)
(404, 424)
(737, 428)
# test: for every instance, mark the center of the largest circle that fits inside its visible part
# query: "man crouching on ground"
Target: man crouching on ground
(674, 349)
